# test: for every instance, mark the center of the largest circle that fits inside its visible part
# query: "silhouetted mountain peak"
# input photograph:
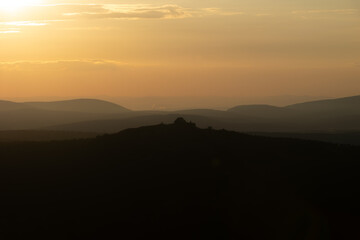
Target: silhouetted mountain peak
(181, 122)
(179, 131)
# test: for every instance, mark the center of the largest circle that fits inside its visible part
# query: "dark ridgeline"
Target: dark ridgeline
(177, 181)
(79, 105)
(40, 115)
(336, 120)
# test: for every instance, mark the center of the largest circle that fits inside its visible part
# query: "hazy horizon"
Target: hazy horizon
(182, 102)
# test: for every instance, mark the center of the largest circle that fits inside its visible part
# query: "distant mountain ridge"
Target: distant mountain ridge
(347, 105)
(336, 104)
(79, 105)
(91, 115)
(343, 100)
(75, 105)
(331, 114)
(11, 106)
(36, 115)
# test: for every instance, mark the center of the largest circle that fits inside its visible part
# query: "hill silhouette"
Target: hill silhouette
(336, 118)
(347, 105)
(177, 181)
(116, 125)
(257, 110)
(340, 107)
(10, 106)
(338, 122)
(79, 105)
(37, 115)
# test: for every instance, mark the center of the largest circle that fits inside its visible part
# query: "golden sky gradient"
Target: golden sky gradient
(136, 48)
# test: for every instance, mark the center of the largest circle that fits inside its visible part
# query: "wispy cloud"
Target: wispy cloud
(15, 27)
(9, 31)
(23, 23)
(41, 15)
(138, 12)
(61, 65)
(144, 11)
(115, 11)
(327, 12)
(219, 11)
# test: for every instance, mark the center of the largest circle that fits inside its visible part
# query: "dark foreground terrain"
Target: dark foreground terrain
(179, 182)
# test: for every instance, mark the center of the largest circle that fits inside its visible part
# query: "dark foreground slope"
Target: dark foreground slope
(179, 182)
(42, 135)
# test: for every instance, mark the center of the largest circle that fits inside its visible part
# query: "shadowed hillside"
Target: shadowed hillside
(42, 135)
(352, 138)
(32, 118)
(348, 106)
(116, 125)
(327, 116)
(176, 181)
(339, 115)
(11, 106)
(79, 105)
(259, 110)
(37, 115)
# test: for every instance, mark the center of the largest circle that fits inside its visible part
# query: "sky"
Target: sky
(179, 48)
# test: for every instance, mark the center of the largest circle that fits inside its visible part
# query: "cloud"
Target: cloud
(9, 31)
(219, 11)
(328, 12)
(41, 15)
(23, 23)
(15, 27)
(63, 65)
(114, 11)
(144, 12)
(336, 11)
(138, 11)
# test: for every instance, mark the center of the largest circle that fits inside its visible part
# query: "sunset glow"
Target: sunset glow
(181, 48)
(15, 5)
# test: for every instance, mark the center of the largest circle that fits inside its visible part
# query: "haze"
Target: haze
(248, 49)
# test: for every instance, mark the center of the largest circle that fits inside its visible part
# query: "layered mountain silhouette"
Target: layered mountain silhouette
(37, 115)
(177, 181)
(76, 105)
(348, 105)
(79, 105)
(259, 110)
(339, 116)
(335, 116)
(11, 106)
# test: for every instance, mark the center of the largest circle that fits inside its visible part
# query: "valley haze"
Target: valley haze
(336, 120)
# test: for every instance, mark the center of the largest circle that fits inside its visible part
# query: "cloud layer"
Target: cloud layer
(41, 15)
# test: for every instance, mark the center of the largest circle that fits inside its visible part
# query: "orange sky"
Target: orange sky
(179, 48)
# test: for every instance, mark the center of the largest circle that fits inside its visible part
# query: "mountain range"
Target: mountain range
(333, 116)
(76, 105)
